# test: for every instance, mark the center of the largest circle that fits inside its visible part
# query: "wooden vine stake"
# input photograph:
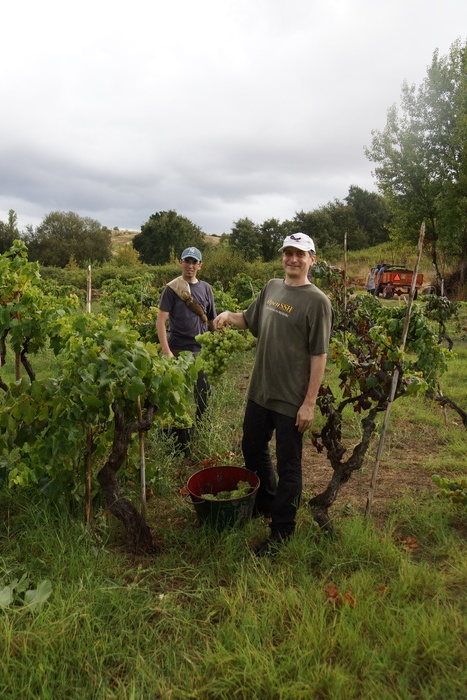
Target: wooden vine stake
(345, 272)
(395, 377)
(17, 354)
(88, 291)
(142, 462)
(345, 276)
(88, 470)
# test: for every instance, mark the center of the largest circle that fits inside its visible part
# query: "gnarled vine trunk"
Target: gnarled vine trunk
(138, 534)
(342, 471)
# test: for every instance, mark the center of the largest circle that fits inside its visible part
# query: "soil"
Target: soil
(402, 471)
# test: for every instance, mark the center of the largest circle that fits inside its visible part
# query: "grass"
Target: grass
(206, 619)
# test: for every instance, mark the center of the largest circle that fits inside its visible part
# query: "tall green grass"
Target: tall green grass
(206, 619)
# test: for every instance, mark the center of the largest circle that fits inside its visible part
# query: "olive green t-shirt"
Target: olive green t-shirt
(291, 324)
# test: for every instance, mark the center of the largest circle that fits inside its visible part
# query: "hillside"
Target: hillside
(121, 237)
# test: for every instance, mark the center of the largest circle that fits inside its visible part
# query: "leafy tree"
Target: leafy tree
(245, 238)
(319, 225)
(8, 232)
(371, 214)
(344, 221)
(363, 216)
(65, 236)
(272, 234)
(126, 256)
(421, 157)
(164, 236)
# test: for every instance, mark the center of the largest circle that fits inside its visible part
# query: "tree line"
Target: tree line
(64, 239)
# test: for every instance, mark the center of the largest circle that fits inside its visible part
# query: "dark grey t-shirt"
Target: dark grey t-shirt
(291, 324)
(184, 324)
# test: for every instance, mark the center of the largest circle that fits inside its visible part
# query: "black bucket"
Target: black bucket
(222, 513)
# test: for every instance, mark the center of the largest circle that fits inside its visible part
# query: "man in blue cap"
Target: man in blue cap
(187, 303)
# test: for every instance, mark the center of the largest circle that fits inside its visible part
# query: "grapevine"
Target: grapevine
(218, 348)
(454, 489)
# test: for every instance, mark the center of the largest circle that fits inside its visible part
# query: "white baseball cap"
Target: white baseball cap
(300, 241)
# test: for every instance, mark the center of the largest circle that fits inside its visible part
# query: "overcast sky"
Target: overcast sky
(218, 109)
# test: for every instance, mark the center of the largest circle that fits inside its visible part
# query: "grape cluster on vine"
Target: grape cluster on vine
(218, 348)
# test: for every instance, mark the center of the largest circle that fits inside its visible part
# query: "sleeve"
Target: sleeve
(166, 300)
(320, 327)
(252, 314)
(211, 310)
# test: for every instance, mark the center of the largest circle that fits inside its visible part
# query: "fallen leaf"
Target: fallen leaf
(333, 594)
(349, 600)
(208, 462)
(409, 543)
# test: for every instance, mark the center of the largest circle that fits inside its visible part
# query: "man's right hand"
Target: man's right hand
(221, 320)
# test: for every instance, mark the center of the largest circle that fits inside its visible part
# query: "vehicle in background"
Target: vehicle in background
(395, 279)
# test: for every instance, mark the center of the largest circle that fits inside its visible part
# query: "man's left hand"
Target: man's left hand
(304, 418)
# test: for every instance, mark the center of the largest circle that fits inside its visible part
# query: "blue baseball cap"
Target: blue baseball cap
(191, 253)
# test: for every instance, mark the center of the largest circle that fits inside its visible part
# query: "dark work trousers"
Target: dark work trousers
(202, 390)
(280, 499)
(201, 394)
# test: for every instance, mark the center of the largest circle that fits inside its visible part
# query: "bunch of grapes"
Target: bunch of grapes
(218, 348)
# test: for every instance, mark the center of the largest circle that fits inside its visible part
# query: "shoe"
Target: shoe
(271, 546)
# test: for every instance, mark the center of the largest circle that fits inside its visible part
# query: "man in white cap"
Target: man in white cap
(187, 303)
(292, 321)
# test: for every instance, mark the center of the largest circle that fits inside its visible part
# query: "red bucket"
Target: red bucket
(222, 513)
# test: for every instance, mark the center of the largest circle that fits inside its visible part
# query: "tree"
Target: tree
(63, 236)
(272, 235)
(126, 256)
(319, 225)
(421, 158)
(371, 213)
(245, 238)
(8, 232)
(164, 236)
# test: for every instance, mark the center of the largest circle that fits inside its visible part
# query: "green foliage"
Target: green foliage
(27, 308)
(363, 216)
(126, 256)
(441, 309)
(8, 231)
(19, 593)
(421, 156)
(372, 216)
(222, 266)
(245, 238)
(130, 294)
(105, 272)
(65, 236)
(245, 289)
(454, 489)
(43, 425)
(164, 236)
(223, 300)
(272, 234)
